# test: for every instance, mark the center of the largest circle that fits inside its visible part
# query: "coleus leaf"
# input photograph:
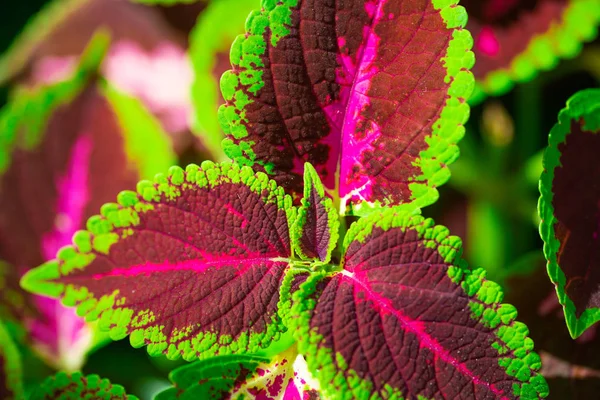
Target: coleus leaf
(514, 39)
(403, 317)
(242, 376)
(78, 386)
(372, 93)
(210, 41)
(11, 385)
(316, 231)
(568, 209)
(190, 264)
(66, 149)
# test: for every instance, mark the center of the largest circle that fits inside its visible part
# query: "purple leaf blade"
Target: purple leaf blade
(316, 231)
(190, 265)
(372, 94)
(406, 317)
(568, 210)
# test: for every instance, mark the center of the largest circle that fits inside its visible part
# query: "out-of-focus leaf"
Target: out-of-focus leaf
(514, 39)
(65, 151)
(568, 208)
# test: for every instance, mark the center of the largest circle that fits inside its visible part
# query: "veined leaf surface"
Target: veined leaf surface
(405, 318)
(569, 210)
(78, 386)
(371, 93)
(190, 264)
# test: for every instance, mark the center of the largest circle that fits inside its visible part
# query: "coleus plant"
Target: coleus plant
(352, 109)
(514, 39)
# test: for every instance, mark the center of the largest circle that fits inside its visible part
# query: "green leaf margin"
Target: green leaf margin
(215, 29)
(485, 306)
(447, 131)
(563, 40)
(313, 182)
(584, 104)
(100, 236)
(23, 119)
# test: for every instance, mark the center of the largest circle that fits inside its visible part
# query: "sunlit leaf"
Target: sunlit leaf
(514, 39)
(568, 207)
(77, 386)
(65, 151)
(190, 264)
(372, 94)
(11, 385)
(406, 318)
(210, 41)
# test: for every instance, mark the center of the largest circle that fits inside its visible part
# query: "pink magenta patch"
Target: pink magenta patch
(58, 333)
(355, 80)
(415, 327)
(487, 42)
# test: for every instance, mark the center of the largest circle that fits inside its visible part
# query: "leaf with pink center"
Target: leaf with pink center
(65, 151)
(403, 317)
(190, 264)
(371, 93)
(514, 39)
(569, 210)
(11, 385)
(78, 386)
(243, 376)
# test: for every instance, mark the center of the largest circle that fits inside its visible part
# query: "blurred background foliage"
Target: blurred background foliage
(490, 200)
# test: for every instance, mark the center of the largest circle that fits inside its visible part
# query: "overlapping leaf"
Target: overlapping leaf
(11, 385)
(405, 318)
(77, 386)
(190, 264)
(64, 151)
(372, 93)
(569, 210)
(514, 39)
(242, 376)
